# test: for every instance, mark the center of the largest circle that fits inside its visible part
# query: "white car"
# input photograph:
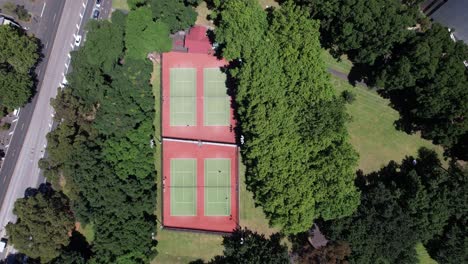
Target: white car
(77, 40)
(98, 3)
(3, 244)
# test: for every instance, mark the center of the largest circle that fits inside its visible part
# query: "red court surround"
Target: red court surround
(173, 149)
(198, 132)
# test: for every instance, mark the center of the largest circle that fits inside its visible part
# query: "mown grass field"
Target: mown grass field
(120, 4)
(423, 256)
(372, 129)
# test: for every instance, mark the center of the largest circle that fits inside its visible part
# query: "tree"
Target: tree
(294, 127)
(132, 154)
(134, 4)
(450, 246)
(245, 246)
(17, 49)
(332, 253)
(43, 225)
(241, 28)
(15, 89)
(401, 205)
(105, 42)
(177, 14)
(363, 29)
(427, 81)
(143, 35)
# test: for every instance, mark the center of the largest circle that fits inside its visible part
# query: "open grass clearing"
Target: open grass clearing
(372, 129)
(343, 65)
(423, 256)
(120, 4)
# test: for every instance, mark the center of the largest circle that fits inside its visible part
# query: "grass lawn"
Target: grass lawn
(120, 4)
(344, 65)
(372, 131)
(423, 256)
(203, 12)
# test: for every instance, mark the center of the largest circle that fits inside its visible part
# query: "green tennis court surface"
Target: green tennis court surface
(217, 187)
(183, 100)
(183, 187)
(216, 100)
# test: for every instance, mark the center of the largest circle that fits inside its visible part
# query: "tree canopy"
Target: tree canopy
(18, 55)
(245, 246)
(43, 225)
(300, 165)
(143, 35)
(364, 29)
(401, 205)
(17, 49)
(426, 80)
(177, 14)
(101, 147)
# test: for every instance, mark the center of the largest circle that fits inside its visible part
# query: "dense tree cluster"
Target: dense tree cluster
(100, 153)
(363, 29)
(401, 205)
(246, 246)
(177, 14)
(419, 66)
(300, 165)
(427, 81)
(43, 226)
(18, 55)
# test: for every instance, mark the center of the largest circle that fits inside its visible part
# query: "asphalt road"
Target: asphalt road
(62, 20)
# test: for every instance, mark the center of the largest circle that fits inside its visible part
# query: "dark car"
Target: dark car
(98, 3)
(96, 14)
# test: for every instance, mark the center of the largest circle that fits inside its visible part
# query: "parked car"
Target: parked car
(96, 14)
(98, 3)
(77, 40)
(3, 244)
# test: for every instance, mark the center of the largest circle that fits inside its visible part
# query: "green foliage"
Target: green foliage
(105, 42)
(364, 29)
(400, 206)
(132, 154)
(22, 13)
(241, 28)
(177, 14)
(15, 88)
(300, 165)
(134, 4)
(348, 96)
(17, 50)
(100, 149)
(245, 246)
(427, 82)
(44, 222)
(143, 35)
(450, 247)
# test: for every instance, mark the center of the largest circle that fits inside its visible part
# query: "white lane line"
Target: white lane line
(43, 8)
(15, 120)
(84, 4)
(71, 45)
(55, 15)
(11, 133)
(22, 126)
(47, 44)
(69, 56)
(77, 26)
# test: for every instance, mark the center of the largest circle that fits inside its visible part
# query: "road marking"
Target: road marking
(11, 133)
(81, 15)
(15, 120)
(84, 4)
(50, 125)
(7, 146)
(71, 45)
(66, 66)
(22, 126)
(77, 26)
(47, 43)
(53, 19)
(43, 8)
(69, 56)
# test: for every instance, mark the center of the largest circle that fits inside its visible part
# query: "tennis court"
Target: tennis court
(217, 187)
(183, 187)
(183, 98)
(216, 100)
